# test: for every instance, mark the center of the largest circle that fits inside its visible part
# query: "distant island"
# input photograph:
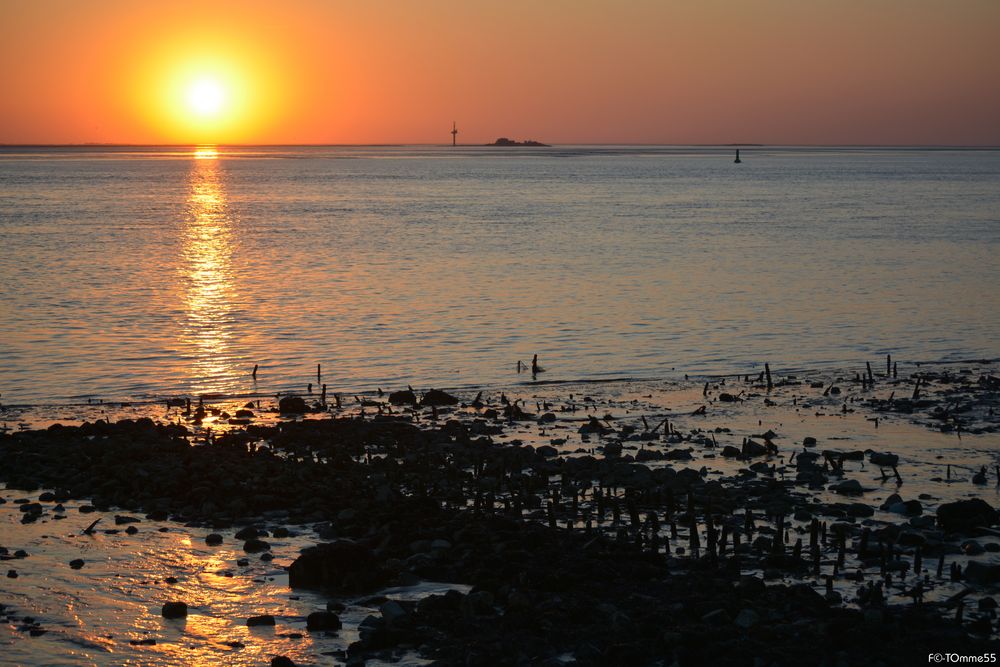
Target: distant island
(504, 141)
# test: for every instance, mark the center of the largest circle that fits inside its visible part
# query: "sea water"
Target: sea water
(138, 273)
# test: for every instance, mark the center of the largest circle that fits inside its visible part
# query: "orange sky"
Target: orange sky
(560, 71)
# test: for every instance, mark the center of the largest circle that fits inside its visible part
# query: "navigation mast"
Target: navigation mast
(454, 132)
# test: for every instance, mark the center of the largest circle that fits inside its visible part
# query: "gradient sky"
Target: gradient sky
(560, 71)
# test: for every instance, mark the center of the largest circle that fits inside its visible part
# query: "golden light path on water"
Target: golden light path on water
(207, 278)
(109, 612)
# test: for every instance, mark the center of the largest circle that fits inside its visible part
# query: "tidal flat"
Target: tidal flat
(838, 518)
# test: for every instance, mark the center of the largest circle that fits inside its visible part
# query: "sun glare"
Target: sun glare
(207, 89)
(206, 97)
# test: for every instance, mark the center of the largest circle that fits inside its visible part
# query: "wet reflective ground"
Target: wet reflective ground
(92, 615)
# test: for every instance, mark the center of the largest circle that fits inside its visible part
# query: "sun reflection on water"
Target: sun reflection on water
(207, 278)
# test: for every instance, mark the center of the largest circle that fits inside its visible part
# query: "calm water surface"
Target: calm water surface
(139, 273)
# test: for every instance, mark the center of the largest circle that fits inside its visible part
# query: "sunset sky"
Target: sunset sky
(560, 71)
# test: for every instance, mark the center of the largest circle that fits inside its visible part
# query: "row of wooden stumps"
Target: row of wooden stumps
(627, 518)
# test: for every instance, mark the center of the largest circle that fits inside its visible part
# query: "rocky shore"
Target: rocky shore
(620, 540)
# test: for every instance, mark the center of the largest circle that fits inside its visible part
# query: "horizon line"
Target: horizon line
(470, 145)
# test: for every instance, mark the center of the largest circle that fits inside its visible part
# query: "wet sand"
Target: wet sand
(562, 516)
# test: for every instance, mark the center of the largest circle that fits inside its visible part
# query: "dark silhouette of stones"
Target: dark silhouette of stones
(281, 661)
(254, 546)
(964, 515)
(982, 573)
(247, 533)
(260, 621)
(404, 397)
(174, 610)
(438, 398)
(849, 487)
(213, 539)
(342, 565)
(292, 405)
(323, 620)
(883, 459)
(76, 563)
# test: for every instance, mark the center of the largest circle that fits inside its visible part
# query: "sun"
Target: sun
(206, 97)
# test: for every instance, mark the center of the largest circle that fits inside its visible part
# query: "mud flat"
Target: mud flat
(753, 519)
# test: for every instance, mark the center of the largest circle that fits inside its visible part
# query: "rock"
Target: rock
(752, 448)
(479, 603)
(729, 451)
(678, 455)
(890, 501)
(281, 661)
(213, 539)
(438, 398)
(259, 621)
(12, 574)
(76, 563)
(342, 566)
(907, 508)
(393, 612)
(174, 610)
(848, 487)
(727, 398)
(292, 405)
(884, 460)
(405, 397)
(860, 510)
(547, 418)
(323, 620)
(973, 548)
(982, 573)
(256, 546)
(964, 515)
(593, 426)
(612, 449)
(547, 451)
(809, 441)
(747, 618)
(716, 617)
(247, 533)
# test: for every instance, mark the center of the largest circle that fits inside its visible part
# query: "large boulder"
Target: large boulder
(340, 566)
(323, 620)
(404, 397)
(174, 610)
(964, 515)
(436, 397)
(982, 573)
(292, 405)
